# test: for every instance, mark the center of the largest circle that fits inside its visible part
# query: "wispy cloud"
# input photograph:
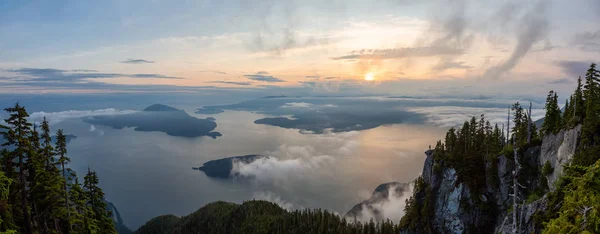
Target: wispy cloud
(562, 81)
(230, 82)
(574, 68)
(264, 77)
(534, 26)
(448, 64)
(588, 40)
(398, 53)
(136, 61)
(50, 74)
(214, 71)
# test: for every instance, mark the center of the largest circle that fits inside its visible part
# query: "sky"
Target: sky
(431, 47)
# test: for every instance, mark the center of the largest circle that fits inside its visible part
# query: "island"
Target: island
(161, 118)
(222, 168)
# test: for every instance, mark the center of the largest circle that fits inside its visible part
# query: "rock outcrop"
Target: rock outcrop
(458, 209)
(558, 150)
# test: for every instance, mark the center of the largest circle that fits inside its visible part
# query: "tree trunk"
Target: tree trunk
(515, 188)
(529, 125)
(66, 198)
(26, 218)
(508, 126)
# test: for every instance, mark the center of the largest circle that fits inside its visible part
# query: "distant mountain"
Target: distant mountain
(221, 168)
(383, 193)
(160, 107)
(160, 118)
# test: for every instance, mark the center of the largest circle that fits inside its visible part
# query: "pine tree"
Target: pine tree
(590, 131)
(552, 120)
(578, 103)
(96, 203)
(80, 217)
(18, 137)
(61, 152)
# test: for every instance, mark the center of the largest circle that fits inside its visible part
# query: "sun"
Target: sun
(370, 76)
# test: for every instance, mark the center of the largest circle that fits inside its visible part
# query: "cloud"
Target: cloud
(390, 207)
(397, 53)
(588, 41)
(285, 167)
(272, 197)
(92, 128)
(562, 81)
(231, 82)
(313, 77)
(263, 76)
(136, 61)
(574, 68)
(57, 117)
(447, 64)
(454, 116)
(297, 105)
(289, 166)
(214, 71)
(533, 27)
(50, 74)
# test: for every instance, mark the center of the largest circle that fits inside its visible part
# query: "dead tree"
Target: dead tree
(508, 126)
(516, 187)
(529, 124)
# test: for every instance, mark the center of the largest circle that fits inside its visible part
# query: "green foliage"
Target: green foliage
(580, 210)
(159, 225)
(260, 217)
(34, 197)
(547, 169)
(553, 118)
(418, 212)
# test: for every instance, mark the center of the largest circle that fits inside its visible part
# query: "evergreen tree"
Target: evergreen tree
(578, 103)
(61, 152)
(590, 131)
(552, 120)
(18, 137)
(96, 203)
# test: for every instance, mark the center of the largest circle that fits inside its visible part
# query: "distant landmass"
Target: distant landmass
(221, 168)
(162, 118)
(383, 193)
(321, 114)
(208, 110)
(160, 107)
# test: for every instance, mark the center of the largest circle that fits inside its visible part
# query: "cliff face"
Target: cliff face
(457, 209)
(558, 150)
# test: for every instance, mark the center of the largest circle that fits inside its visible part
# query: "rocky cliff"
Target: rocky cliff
(459, 209)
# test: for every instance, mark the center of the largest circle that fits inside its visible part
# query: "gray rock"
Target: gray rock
(526, 219)
(559, 150)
